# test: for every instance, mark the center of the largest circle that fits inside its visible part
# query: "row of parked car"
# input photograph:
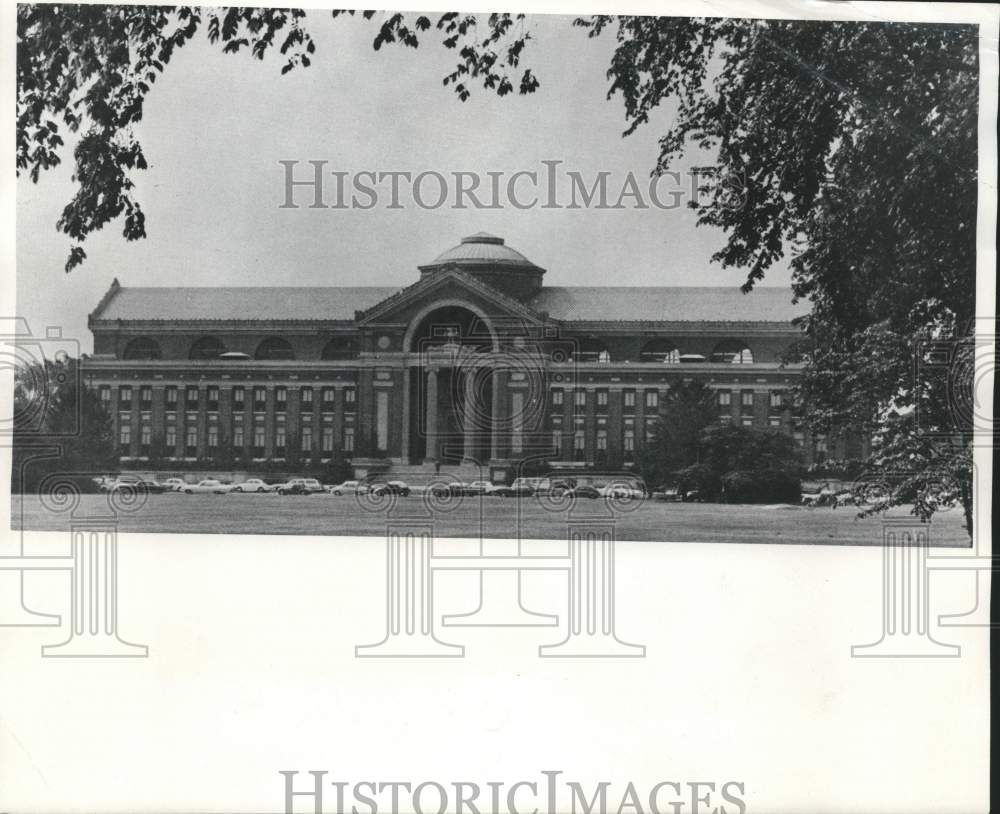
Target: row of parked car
(521, 487)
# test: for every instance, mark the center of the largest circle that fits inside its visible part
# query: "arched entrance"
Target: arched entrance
(450, 385)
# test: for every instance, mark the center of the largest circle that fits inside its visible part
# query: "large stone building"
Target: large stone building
(476, 360)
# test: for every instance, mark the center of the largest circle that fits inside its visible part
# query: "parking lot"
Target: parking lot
(496, 517)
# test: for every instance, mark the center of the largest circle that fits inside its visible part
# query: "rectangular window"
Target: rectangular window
(382, 420)
(145, 397)
(172, 397)
(746, 398)
(652, 399)
(725, 398)
(307, 395)
(747, 422)
(191, 440)
(307, 439)
(105, 394)
(238, 434)
(327, 397)
(774, 421)
(125, 398)
(602, 401)
(628, 397)
(580, 397)
(350, 398)
(191, 396)
(602, 440)
(125, 437)
(777, 400)
(629, 441)
(213, 398)
(557, 441)
(327, 439)
(557, 398)
(170, 439)
(145, 437)
(348, 439)
(239, 395)
(213, 436)
(259, 399)
(281, 398)
(280, 438)
(799, 438)
(258, 440)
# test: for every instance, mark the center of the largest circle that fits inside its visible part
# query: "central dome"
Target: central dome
(482, 249)
(490, 260)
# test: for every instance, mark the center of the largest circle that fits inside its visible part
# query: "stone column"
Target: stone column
(404, 454)
(470, 419)
(432, 415)
(496, 418)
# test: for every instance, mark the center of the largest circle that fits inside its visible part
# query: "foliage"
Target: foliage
(688, 408)
(60, 425)
(761, 486)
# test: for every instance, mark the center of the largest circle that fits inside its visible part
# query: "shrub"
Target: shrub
(761, 486)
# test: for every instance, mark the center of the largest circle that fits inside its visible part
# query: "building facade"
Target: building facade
(476, 361)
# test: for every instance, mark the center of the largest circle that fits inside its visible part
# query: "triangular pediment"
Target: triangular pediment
(448, 284)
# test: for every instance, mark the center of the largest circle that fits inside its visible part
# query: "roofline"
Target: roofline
(104, 302)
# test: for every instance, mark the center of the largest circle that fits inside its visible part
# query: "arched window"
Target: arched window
(340, 347)
(274, 347)
(208, 347)
(593, 350)
(142, 348)
(661, 351)
(732, 351)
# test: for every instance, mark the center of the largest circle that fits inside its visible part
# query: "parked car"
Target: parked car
(349, 487)
(392, 487)
(253, 485)
(174, 484)
(139, 484)
(483, 487)
(623, 490)
(300, 486)
(205, 487)
(526, 487)
(585, 490)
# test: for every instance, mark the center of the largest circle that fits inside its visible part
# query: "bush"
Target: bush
(697, 478)
(761, 486)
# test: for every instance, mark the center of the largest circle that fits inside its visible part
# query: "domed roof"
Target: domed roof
(482, 249)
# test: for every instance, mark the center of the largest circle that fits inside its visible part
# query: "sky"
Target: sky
(216, 126)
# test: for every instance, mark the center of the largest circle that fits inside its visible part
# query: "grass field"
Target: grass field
(487, 517)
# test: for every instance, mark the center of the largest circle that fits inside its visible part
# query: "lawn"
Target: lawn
(486, 517)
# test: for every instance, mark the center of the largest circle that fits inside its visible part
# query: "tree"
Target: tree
(689, 407)
(59, 421)
(851, 146)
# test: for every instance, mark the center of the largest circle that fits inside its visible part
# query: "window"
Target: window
(170, 439)
(327, 439)
(732, 351)
(307, 439)
(208, 347)
(213, 436)
(629, 441)
(281, 398)
(327, 397)
(725, 398)
(172, 397)
(602, 440)
(350, 398)
(105, 394)
(213, 398)
(799, 438)
(142, 348)
(746, 400)
(774, 421)
(238, 434)
(579, 401)
(629, 400)
(341, 347)
(239, 396)
(747, 422)
(603, 357)
(145, 397)
(125, 398)
(557, 441)
(348, 439)
(191, 440)
(777, 400)
(274, 348)
(307, 395)
(652, 399)
(258, 440)
(602, 401)
(125, 437)
(557, 398)
(660, 351)
(280, 438)
(145, 438)
(259, 399)
(579, 444)
(191, 396)
(726, 418)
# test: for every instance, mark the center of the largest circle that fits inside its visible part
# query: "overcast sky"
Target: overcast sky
(216, 126)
